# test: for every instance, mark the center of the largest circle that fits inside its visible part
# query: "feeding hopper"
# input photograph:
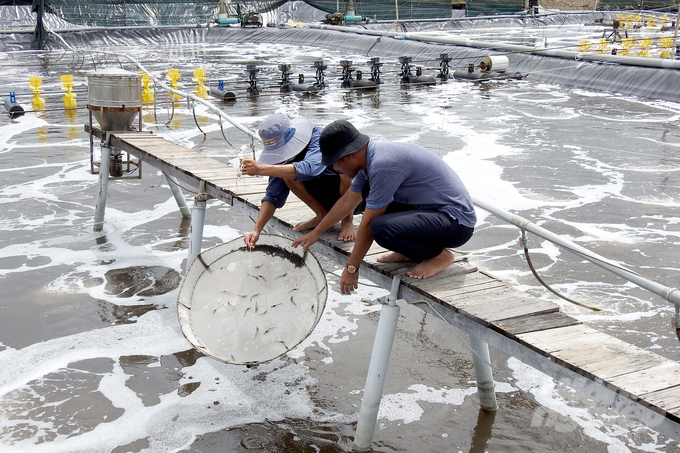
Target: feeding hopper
(249, 306)
(114, 96)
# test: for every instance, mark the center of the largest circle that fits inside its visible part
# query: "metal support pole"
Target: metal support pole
(197, 221)
(484, 374)
(105, 161)
(179, 197)
(375, 381)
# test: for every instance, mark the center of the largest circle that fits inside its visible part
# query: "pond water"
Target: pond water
(92, 357)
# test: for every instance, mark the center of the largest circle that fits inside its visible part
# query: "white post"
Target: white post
(675, 33)
(105, 161)
(375, 381)
(484, 374)
(179, 197)
(197, 221)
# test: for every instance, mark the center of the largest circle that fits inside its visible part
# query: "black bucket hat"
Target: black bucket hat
(339, 139)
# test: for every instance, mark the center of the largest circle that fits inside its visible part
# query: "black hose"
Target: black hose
(193, 111)
(540, 280)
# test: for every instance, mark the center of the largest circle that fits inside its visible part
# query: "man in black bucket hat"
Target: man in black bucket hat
(416, 205)
(292, 160)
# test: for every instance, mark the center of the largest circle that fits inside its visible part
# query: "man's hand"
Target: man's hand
(250, 167)
(306, 241)
(348, 282)
(251, 239)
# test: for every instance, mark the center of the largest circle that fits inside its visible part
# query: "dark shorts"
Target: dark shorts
(326, 190)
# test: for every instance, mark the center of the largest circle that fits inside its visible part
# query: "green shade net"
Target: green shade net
(116, 13)
(488, 8)
(617, 5)
(386, 9)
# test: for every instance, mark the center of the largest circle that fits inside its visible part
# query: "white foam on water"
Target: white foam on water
(474, 162)
(404, 406)
(604, 429)
(176, 421)
(19, 126)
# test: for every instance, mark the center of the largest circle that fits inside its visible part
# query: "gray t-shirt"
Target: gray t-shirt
(413, 175)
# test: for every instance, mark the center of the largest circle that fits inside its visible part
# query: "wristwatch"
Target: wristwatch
(351, 269)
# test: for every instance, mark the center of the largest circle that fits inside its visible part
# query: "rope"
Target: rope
(523, 243)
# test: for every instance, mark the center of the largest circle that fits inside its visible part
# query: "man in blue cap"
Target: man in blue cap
(416, 205)
(292, 160)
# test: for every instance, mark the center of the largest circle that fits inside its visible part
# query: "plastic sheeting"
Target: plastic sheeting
(13, 18)
(646, 82)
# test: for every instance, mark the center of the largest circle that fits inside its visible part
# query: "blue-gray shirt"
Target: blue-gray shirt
(308, 168)
(413, 175)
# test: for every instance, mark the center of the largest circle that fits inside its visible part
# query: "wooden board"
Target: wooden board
(649, 380)
(608, 358)
(534, 323)
(553, 340)
(668, 398)
(499, 303)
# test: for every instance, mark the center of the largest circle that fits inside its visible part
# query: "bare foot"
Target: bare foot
(393, 257)
(308, 224)
(432, 266)
(347, 231)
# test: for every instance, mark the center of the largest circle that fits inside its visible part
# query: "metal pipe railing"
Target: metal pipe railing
(672, 295)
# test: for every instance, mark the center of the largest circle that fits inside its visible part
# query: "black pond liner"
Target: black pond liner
(654, 83)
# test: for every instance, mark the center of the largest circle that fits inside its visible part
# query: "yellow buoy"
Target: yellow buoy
(69, 95)
(584, 46)
(200, 78)
(627, 45)
(147, 93)
(35, 82)
(602, 45)
(173, 76)
(666, 48)
(645, 45)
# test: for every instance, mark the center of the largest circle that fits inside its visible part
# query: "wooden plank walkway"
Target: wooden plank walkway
(638, 383)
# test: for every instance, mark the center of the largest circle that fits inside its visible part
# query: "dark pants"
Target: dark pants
(418, 234)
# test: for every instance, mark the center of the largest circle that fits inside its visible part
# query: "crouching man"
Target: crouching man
(416, 205)
(292, 160)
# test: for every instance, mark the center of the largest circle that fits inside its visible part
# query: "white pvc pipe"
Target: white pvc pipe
(105, 161)
(670, 294)
(375, 381)
(197, 222)
(179, 197)
(559, 53)
(484, 374)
